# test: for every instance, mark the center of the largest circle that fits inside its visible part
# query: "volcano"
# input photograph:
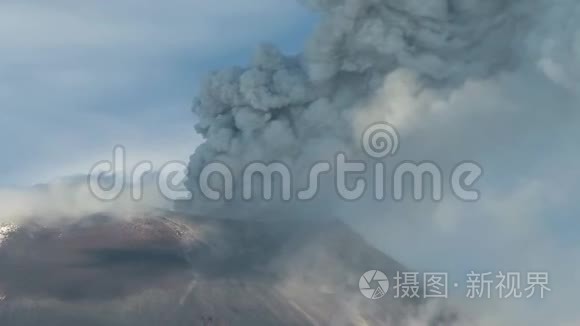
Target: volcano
(166, 268)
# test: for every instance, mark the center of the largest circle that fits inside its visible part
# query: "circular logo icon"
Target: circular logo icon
(373, 284)
(380, 140)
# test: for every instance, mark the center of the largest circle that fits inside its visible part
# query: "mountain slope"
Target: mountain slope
(173, 269)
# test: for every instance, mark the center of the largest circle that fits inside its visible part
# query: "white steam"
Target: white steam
(71, 198)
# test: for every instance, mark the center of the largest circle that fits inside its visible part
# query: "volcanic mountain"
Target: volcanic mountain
(166, 268)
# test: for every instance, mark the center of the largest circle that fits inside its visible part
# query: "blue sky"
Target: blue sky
(77, 79)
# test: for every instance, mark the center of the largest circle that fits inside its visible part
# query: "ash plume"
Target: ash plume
(497, 82)
(297, 108)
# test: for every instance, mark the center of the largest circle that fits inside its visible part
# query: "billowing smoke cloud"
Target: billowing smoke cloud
(497, 82)
(292, 108)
